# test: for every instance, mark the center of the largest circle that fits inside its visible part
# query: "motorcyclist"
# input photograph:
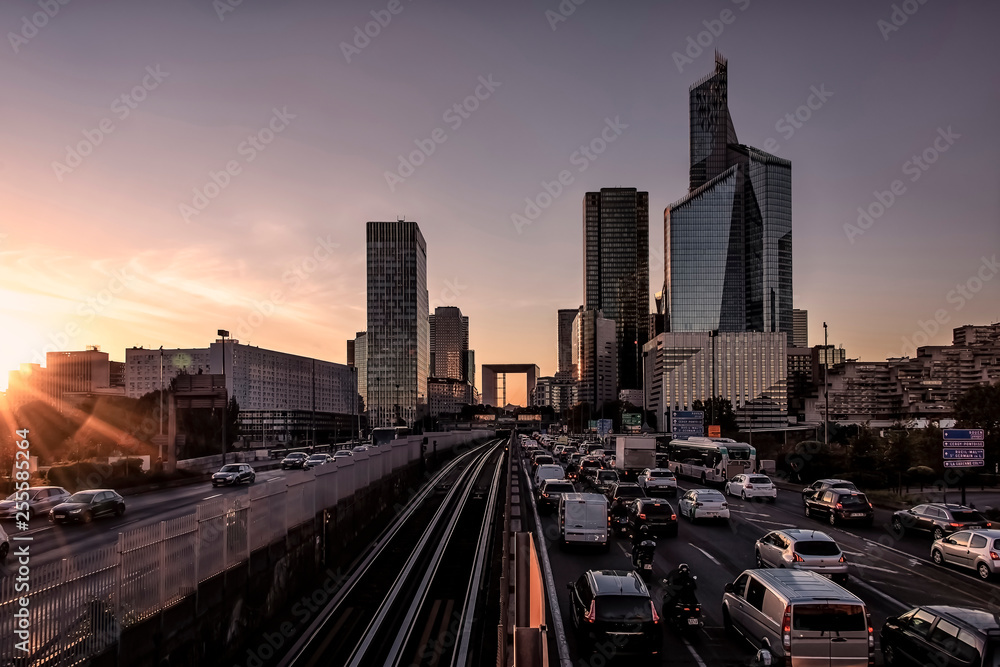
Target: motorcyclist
(679, 583)
(642, 547)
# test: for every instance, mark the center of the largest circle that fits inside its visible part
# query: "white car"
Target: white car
(703, 504)
(548, 471)
(658, 481)
(39, 500)
(752, 486)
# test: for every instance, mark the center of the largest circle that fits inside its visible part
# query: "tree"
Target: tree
(979, 407)
(721, 410)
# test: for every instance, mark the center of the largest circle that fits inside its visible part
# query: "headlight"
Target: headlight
(76, 511)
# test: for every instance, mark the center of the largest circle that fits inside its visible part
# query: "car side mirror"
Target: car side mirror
(569, 587)
(729, 588)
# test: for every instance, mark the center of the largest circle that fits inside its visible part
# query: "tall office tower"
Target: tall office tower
(449, 342)
(564, 344)
(728, 242)
(398, 330)
(357, 358)
(616, 271)
(800, 328)
(595, 358)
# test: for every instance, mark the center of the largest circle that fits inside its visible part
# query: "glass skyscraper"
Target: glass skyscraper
(398, 336)
(728, 242)
(616, 271)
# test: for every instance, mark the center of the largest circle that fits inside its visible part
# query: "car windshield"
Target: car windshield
(82, 497)
(661, 474)
(966, 515)
(632, 608)
(31, 495)
(817, 548)
(230, 469)
(317, 457)
(829, 618)
(607, 474)
(559, 488)
(854, 499)
(658, 509)
(843, 485)
(296, 455)
(711, 496)
(760, 480)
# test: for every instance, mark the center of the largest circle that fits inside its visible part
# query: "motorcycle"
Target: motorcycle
(642, 557)
(619, 524)
(681, 607)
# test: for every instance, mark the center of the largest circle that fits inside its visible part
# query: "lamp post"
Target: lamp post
(713, 335)
(826, 388)
(225, 406)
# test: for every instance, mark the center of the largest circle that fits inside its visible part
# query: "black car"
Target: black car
(4, 545)
(294, 460)
(941, 635)
(620, 493)
(938, 519)
(614, 606)
(550, 491)
(841, 506)
(85, 506)
(234, 473)
(653, 516)
(821, 485)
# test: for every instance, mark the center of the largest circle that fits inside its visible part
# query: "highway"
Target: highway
(889, 574)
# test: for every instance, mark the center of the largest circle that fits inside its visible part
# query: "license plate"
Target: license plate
(692, 621)
(712, 515)
(858, 514)
(647, 566)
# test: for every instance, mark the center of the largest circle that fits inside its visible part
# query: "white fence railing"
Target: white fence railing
(78, 607)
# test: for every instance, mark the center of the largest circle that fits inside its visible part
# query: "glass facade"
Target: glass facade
(398, 335)
(616, 271)
(729, 241)
(594, 358)
(449, 343)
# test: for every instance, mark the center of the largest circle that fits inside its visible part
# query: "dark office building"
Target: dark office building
(728, 242)
(616, 271)
(565, 340)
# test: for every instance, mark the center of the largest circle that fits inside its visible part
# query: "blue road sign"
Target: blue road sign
(964, 454)
(964, 463)
(964, 443)
(689, 414)
(964, 434)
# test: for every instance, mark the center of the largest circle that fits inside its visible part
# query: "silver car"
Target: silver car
(977, 550)
(800, 549)
(40, 500)
(658, 480)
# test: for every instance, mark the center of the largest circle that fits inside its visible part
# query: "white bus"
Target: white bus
(710, 460)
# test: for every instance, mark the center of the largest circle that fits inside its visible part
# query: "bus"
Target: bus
(384, 434)
(710, 460)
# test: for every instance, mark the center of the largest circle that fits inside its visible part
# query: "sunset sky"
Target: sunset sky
(103, 239)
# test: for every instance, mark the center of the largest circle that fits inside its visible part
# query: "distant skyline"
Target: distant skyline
(167, 171)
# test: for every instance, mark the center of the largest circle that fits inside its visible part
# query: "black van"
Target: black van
(942, 635)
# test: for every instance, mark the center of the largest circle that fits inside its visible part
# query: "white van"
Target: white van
(583, 519)
(800, 617)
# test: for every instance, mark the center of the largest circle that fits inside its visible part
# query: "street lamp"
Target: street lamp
(826, 388)
(225, 405)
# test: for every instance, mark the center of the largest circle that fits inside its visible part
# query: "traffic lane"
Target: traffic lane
(53, 542)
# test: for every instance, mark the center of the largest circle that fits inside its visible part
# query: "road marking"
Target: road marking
(749, 513)
(876, 591)
(210, 497)
(852, 553)
(694, 653)
(875, 567)
(707, 555)
(885, 546)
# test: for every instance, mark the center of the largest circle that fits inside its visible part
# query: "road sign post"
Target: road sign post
(964, 448)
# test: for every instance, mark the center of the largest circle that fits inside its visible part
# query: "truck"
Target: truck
(633, 454)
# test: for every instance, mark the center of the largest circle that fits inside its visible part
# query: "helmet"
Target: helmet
(683, 568)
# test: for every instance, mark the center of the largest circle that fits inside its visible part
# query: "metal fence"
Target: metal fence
(79, 606)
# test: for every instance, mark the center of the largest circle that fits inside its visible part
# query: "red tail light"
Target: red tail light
(749, 486)
(656, 617)
(642, 516)
(797, 558)
(840, 506)
(673, 517)
(955, 525)
(591, 614)
(786, 632)
(843, 558)
(994, 555)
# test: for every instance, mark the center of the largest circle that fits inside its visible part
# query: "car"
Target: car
(752, 486)
(4, 545)
(652, 516)
(550, 491)
(604, 479)
(802, 549)
(614, 608)
(977, 550)
(541, 460)
(294, 460)
(558, 450)
(941, 635)
(343, 454)
(824, 484)
(589, 467)
(841, 506)
(316, 460)
(938, 519)
(656, 481)
(361, 448)
(703, 504)
(85, 506)
(39, 499)
(548, 471)
(234, 473)
(572, 471)
(619, 494)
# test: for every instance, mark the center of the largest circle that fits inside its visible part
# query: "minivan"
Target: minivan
(583, 519)
(801, 617)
